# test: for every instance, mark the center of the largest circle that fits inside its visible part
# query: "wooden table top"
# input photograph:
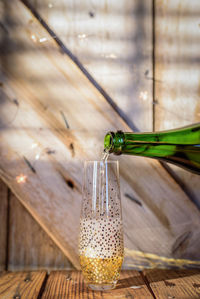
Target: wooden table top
(170, 284)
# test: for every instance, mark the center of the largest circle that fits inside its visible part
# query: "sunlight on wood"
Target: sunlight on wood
(21, 179)
(142, 260)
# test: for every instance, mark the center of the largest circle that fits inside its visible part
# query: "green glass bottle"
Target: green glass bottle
(180, 146)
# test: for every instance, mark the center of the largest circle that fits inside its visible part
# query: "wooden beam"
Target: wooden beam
(177, 74)
(4, 232)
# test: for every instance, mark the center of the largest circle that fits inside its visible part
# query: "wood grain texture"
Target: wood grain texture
(183, 284)
(113, 40)
(3, 221)
(177, 73)
(71, 285)
(52, 190)
(21, 285)
(30, 248)
(174, 283)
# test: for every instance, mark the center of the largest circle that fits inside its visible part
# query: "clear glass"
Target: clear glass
(101, 246)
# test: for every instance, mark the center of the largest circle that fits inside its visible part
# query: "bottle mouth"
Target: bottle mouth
(113, 142)
(108, 142)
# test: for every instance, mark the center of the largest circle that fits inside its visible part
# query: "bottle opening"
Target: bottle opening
(108, 142)
(113, 142)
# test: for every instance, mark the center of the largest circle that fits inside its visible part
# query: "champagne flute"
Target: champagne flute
(101, 247)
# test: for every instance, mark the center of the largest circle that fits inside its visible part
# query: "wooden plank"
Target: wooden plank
(52, 189)
(174, 283)
(177, 73)
(30, 248)
(21, 284)
(71, 285)
(3, 219)
(113, 40)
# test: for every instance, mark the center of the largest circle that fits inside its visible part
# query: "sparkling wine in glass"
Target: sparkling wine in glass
(101, 247)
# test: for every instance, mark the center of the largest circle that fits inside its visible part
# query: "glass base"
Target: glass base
(102, 287)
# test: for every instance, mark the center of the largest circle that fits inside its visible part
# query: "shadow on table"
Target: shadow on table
(140, 279)
(163, 274)
(133, 280)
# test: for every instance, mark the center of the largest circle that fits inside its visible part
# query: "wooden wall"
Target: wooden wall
(4, 224)
(177, 73)
(71, 71)
(23, 244)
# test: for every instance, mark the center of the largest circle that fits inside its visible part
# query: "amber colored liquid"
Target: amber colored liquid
(101, 270)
